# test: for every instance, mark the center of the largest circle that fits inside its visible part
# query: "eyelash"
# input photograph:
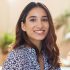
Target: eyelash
(33, 20)
(45, 20)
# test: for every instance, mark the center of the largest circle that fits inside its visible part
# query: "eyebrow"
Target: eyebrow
(35, 17)
(45, 16)
(32, 17)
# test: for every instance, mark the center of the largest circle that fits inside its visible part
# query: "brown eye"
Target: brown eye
(45, 20)
(32, 20)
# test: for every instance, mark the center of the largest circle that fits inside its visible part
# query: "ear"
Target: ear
(23, 26)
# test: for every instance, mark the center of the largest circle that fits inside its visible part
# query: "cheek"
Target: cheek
(29, 28)
(47, 25)
(47, 28)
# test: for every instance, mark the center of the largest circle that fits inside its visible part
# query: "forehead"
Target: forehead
(37, 11)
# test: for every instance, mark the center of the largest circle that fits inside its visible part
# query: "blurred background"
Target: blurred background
(9, 13)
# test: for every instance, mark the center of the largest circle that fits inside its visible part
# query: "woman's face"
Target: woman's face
(36, 25)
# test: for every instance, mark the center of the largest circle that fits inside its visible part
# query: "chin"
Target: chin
(40, 38)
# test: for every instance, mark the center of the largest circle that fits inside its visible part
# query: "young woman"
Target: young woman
(35, 47)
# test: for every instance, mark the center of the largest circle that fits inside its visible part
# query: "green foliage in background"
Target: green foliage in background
(6, 40)
(64, 20)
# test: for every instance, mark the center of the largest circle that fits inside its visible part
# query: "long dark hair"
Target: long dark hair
(49, 46)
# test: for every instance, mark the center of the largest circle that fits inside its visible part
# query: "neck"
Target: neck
(37, 44)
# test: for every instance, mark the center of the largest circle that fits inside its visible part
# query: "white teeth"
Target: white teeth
(39, 31)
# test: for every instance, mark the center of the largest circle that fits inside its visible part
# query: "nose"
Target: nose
(39, 24)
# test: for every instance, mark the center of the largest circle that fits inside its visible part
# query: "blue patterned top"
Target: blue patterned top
(24, 58)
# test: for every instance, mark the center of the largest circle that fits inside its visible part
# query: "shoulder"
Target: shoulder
(19, 52)
(23, 51)
(18, 58)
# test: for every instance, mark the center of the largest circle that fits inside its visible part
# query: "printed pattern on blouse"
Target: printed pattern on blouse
(24, 59)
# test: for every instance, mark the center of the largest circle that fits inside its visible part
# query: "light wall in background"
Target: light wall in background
(4, 16)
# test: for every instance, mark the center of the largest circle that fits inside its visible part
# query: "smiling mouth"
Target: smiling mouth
(39, 31)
